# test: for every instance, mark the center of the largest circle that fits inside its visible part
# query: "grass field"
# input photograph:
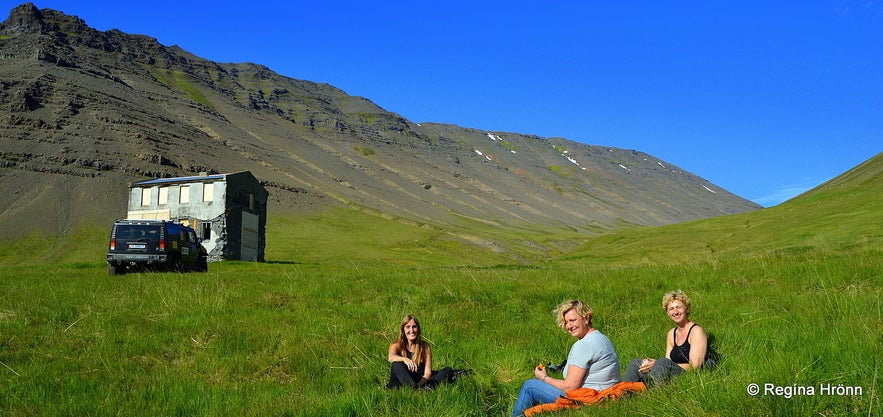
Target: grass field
(791, 294)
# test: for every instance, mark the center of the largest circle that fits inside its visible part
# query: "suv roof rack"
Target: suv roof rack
(146, 221)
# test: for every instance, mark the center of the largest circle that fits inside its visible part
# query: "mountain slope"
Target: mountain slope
(85, 112)
(835, 217)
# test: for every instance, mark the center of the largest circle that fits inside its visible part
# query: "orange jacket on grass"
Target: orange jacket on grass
(586, 396)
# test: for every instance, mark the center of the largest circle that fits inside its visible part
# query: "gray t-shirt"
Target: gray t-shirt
(596, 355)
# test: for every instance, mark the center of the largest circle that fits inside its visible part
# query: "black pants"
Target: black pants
(401, 376)
(663, 370)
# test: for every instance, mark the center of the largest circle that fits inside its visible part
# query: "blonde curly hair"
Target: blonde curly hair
(678, 295)
(582, 308)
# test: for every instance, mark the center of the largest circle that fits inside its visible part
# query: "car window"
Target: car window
(172, 230)
(136, 232)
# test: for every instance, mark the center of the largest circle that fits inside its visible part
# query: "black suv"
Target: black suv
(154, 244)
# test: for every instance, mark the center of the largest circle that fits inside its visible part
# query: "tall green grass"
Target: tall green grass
(791, 294)
(310, 339)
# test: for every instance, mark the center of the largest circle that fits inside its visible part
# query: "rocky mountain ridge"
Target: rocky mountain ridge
(83, 113)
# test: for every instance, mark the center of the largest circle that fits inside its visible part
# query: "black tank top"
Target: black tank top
(681, 354)
(420, 368)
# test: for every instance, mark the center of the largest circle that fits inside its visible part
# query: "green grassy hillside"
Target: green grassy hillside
(791, 294)
(840, 215)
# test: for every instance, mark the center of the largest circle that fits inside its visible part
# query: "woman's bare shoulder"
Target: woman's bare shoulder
(698, 331)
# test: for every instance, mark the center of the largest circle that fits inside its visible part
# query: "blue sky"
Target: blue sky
(766, 99)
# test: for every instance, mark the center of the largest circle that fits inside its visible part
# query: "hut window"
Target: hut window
(207, 230)
(208, 192)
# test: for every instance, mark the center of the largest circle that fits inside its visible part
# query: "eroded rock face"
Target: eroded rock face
(25, 18)
(102, 109)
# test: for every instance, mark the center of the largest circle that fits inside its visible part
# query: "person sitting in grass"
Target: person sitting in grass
(592, 362)
(686, 345)
(411, 359)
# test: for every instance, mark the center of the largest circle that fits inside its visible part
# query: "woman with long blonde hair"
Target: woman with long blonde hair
(411, 359)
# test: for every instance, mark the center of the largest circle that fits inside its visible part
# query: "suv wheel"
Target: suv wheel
(174, 264)
(115, 270)
(202, 264)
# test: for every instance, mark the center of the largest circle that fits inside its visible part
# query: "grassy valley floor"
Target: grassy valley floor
(310, 339)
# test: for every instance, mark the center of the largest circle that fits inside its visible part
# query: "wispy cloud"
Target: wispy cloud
(787, 192)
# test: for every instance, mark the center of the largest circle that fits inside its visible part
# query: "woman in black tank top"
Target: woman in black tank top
(686, 345)
(681, 353)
